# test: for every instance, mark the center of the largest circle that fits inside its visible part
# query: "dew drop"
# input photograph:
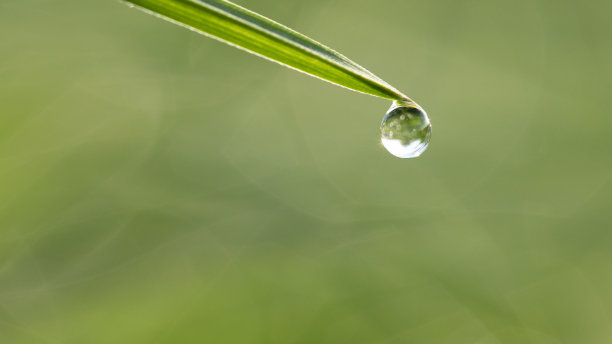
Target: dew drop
(405, 130)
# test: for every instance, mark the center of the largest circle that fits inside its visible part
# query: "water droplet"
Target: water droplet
(405, 130)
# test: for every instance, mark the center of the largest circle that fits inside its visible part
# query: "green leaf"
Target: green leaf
(259, 35)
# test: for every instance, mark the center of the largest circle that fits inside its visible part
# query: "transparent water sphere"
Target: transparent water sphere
(405, 130)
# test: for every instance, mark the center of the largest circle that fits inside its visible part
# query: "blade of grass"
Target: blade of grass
(261, 36)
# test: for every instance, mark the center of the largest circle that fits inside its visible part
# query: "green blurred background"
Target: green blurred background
(157, 186)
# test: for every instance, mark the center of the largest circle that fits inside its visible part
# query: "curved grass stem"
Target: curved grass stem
(261, 36)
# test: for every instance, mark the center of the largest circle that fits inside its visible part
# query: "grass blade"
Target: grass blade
(259, 35)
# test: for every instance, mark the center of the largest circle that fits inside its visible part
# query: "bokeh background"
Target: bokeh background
(157, 186)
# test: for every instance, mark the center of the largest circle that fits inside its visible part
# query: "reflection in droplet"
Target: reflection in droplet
(405, 130)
